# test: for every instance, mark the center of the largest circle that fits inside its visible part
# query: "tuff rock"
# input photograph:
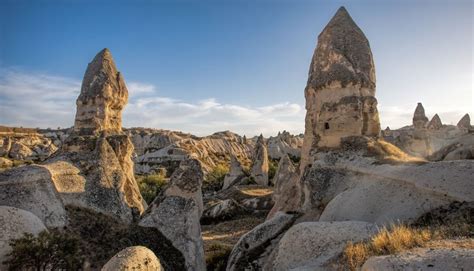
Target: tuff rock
(260, 164)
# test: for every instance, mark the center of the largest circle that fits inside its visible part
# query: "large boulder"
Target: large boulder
(340, 93)
(177, 210)
(254, 247)
(31, 188)
(424, 259)
(259, 169)
(316, 245)
(14, 223)
(135, 258)
(223, 210)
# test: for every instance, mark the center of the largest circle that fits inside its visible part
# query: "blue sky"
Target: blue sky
(204, 66)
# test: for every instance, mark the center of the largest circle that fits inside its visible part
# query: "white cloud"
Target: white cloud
(42, 100)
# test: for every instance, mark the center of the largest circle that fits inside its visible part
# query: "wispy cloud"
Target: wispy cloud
(42, 100)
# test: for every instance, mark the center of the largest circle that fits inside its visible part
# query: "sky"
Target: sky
(239, 65)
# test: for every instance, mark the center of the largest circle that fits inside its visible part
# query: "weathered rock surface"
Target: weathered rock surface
(435, 123)
(250, 249)
(236, 173)
(419, 118)
(461, 148)
(25, 145)
(315, 245)
(102, 99)
(31, 188)
(260, 163)
(423, 259)
(464, 123)
(287, 191)
(136, 258)
(285, 144)
(14, 223)
(177, 210)
(346, 187)
(223, 210)
(340, 94)
(5, 163)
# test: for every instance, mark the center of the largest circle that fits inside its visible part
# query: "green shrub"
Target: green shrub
(48, 251)
(150, 186)
(215, 179)
(272, 168)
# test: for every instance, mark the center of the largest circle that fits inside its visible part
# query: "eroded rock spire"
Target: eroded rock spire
(102, 99)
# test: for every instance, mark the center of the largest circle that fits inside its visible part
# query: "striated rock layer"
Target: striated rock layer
(340, 93)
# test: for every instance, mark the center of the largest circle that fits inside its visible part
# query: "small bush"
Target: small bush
(48, 251)
(215, 179)
(150, 186)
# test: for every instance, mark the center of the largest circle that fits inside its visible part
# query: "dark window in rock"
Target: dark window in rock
(326, 126)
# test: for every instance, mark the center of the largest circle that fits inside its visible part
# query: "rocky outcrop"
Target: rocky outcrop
(259, 170)
(13, 224)
(102, 99)
(177, 210)
(419, 118)
(31, 146)
(223, 210)
(31, 188)
(235, 174)
(317, 245)
(93, 169)
(340, 93)
(435, 123)
(250, 249)
(287, 191)
(424, 259)
(135, 258)
(285, 144)
(464, 123)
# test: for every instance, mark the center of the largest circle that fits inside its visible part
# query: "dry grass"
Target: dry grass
(392, 153)
(256, 192)
(387, 241)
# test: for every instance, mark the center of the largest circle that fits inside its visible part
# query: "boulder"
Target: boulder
(235, 174)
(30, 188)
(135, 258)
(424, 259)
(316, 245)
(340, 93)
(287, 192)
(260, 164)
(19, 151)
(14, 223)
(177, 210)
(5, 163)
(251, 247)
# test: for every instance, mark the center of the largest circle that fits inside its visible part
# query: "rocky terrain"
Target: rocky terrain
(346, 196)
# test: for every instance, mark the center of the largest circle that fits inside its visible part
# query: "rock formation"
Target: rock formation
(177, 210)
(286, 194)
(93, 169)
(246, 253)
(435, 123)
(419, 117)
(235, 174)
(13, 224)
(313, 245)
(464, 123)
(285, 144)
(260, 164)
(135, 258)
(340, 93)
(102, 99)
